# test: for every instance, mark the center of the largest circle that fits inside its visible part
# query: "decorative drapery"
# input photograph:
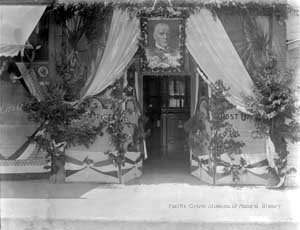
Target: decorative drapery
(213, 51)
(16, 24)
(120, 48)
(210, 46)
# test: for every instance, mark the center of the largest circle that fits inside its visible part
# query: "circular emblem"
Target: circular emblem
(43, 71)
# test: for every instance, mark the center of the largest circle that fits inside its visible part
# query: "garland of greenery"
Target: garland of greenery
(80, 124)
(280, 9)
(64, 124)
(116, 123)
(262, 7)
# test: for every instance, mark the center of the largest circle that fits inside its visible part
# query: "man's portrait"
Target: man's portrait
(163, 44)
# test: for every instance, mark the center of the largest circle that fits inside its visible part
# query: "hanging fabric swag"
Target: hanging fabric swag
(210, 46)
(120, 48)
(16, 25)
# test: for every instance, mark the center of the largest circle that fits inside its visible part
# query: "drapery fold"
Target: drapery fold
(16, 24)
(211, 48)
(120, 48)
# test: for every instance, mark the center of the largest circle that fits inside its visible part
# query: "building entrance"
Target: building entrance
(167, 107)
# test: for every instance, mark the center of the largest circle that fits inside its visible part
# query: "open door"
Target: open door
(167, 106)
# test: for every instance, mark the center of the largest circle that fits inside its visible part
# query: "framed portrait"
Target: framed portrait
(163, 42)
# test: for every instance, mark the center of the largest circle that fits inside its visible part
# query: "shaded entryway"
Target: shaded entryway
(166, 104)
(167, 170)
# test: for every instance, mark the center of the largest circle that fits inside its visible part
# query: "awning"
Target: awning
(16, 24)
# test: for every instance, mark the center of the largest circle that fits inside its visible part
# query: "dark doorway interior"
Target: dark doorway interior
(167, 106)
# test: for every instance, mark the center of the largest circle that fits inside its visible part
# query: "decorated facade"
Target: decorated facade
(90, 91)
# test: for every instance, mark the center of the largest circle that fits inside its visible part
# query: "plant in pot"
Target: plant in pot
(223, 136)
(117, 125)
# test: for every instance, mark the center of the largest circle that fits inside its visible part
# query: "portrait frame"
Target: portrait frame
(173, 62)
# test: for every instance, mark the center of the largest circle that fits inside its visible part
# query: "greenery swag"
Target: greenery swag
(262, 7)
(66, 124)
(63, 122)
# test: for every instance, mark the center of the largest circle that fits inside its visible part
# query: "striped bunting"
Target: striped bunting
(258, 169)
(105, 167)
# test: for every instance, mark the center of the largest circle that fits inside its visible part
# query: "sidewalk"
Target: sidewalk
(40, 205)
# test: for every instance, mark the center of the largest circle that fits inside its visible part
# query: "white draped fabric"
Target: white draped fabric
(210, 46)
(16, 24)
(120, 48)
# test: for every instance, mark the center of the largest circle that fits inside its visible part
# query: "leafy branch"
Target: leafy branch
(275, 108)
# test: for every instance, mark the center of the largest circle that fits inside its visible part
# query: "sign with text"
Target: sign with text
(244, 124)
(14, 125)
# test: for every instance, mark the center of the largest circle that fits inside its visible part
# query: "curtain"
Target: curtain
(16, 24)
(120, 48)
(211, 48)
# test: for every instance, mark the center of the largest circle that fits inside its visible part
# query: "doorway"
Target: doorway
(166, 104)
(167, 108)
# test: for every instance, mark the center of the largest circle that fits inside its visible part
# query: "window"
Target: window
(174, 92)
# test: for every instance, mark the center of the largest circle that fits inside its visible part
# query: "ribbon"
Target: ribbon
(259, 167)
